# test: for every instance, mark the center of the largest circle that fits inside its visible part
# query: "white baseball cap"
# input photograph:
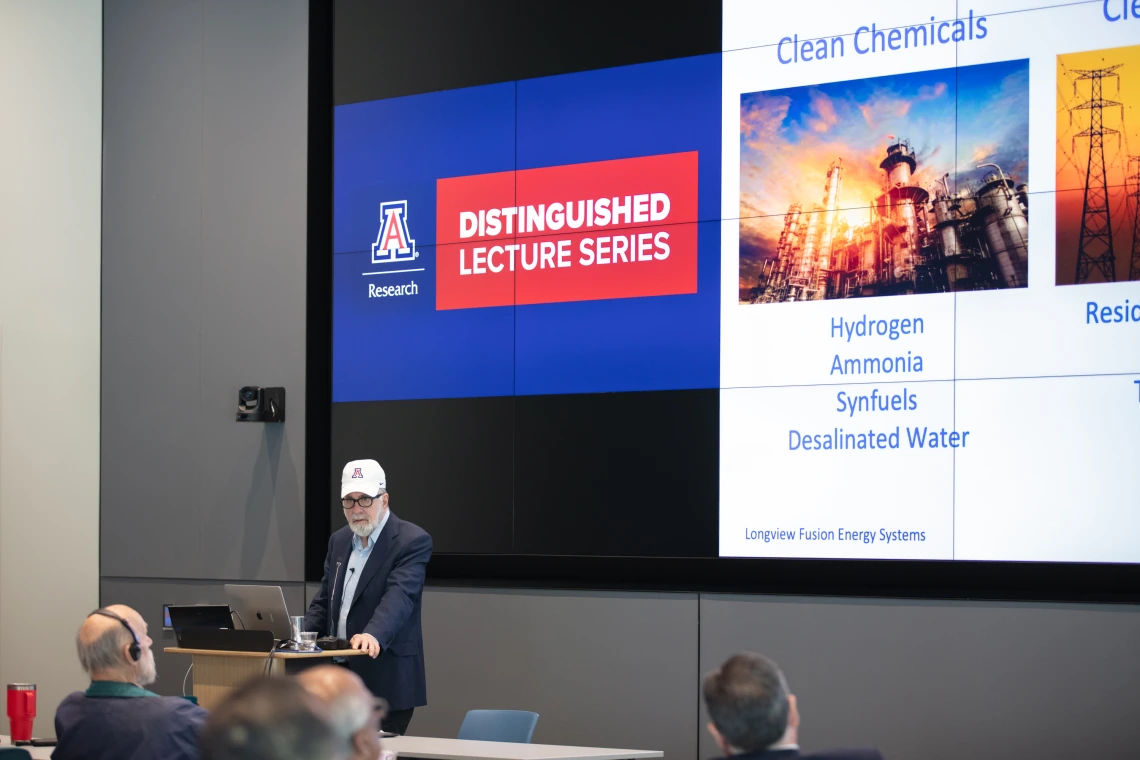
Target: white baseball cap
(363, 475)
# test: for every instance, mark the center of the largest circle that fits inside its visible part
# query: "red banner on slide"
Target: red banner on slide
(580, 232)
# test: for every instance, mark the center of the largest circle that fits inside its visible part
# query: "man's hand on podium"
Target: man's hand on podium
(367, 642)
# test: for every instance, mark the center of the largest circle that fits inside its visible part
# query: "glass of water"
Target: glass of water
(307, 641)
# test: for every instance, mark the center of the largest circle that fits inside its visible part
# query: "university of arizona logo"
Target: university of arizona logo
(393, 243)
(358, 473)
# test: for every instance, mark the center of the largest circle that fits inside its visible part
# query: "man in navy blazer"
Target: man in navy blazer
(372, 590)
(754, 717)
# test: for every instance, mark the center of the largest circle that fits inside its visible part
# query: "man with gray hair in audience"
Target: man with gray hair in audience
(350, 704)
(274, 719)
(116, 718)
(753, 715)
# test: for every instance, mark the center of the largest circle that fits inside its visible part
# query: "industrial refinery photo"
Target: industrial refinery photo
(913, 183)
(1098, 172)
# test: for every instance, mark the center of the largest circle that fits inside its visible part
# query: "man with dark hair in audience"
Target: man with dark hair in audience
(752, 715)
(273, 719)
(116, 718)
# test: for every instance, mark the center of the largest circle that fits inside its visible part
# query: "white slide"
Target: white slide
(930, 295)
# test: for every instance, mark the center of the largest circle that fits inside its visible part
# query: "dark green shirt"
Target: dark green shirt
(116, 689)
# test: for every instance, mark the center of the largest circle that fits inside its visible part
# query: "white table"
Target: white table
(39, 753)
(467, 749)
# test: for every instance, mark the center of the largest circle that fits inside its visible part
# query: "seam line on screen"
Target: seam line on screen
(863, 206)
(943, 380)
(608, 229)
(703, 221)
(954, 334)
(514, 334)
(1047, 377)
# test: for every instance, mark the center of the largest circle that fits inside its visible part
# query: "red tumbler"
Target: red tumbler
(21, 710)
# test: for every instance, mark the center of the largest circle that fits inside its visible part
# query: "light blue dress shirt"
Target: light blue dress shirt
(356, 561)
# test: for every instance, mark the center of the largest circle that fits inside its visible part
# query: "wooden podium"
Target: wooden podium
(217, 673)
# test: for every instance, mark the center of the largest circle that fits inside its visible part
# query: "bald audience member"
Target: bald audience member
(116, 718)
(273, 719)
(350, 705)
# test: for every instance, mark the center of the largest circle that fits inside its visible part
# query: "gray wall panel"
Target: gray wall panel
(152, 288)
(204, 282)
(253, 261)
(938, 680)
(148, 596)
(602, 669)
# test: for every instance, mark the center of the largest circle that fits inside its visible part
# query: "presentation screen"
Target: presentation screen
(860, 282)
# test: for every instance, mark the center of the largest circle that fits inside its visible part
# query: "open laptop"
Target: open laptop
(260, 608)
(183, 616)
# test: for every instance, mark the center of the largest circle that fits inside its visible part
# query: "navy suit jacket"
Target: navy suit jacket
(795, 754)
(386, 605)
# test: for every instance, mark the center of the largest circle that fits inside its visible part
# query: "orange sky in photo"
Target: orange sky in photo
(1072, 163)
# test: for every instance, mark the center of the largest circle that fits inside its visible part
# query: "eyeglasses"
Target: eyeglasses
(364, 501)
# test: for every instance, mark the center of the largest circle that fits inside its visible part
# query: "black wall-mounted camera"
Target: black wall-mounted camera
(261, 404)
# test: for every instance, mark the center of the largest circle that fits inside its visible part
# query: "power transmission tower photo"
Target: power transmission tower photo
(1096, 251)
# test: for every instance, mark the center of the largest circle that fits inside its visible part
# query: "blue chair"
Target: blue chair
(15, 753)
(499, 726)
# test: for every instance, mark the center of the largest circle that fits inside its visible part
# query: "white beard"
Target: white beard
(363, 528)
(147, 673)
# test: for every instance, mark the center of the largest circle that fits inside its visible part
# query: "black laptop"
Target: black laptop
(213, 616)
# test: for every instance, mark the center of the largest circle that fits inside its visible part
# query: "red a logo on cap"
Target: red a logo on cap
(358, 473)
